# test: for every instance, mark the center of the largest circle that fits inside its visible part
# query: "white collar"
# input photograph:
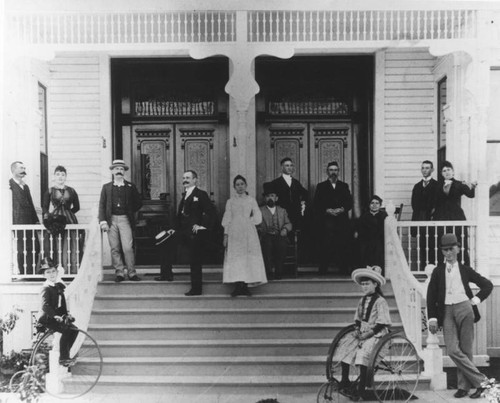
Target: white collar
(271, 209)
(19, 182)
(426, 180)
(452, 266)
(118, 184)
(287, 178)
(49, 283)
(448, 181)
(189, 190)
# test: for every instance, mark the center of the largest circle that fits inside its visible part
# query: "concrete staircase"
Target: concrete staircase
(154, 339)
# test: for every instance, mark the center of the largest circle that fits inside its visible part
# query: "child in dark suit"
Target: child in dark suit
(273, 231)
(53, 310)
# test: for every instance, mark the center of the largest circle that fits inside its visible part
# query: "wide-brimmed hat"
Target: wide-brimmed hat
(55, 224)
(162, 237)
(269, 188)
(448, 240)
(372, 272)
(119, 163)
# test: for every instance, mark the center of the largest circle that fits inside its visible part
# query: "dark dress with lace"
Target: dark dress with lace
(63, 201)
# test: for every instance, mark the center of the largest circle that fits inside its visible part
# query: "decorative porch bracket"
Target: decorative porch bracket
(242, 89)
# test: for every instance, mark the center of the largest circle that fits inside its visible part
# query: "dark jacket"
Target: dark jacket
(327, 197)
(133, 202)
(448, 206)
(50, 301)
(370, 229)
(23, 210)
(267, 220)
(67, 206)
(290, 198)
(423, 200)
(196, 209)
(436, 291)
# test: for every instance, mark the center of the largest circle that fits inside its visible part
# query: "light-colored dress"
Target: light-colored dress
(243, 258)
(355, 352)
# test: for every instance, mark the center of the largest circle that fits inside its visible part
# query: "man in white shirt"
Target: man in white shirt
(451, 305)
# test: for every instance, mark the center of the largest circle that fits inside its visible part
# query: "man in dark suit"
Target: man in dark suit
(23, 212)
(332, 202)
(423, 202)
(193, 224)
(118, 204)
(273, 232)
(451, 305)
(291, 194)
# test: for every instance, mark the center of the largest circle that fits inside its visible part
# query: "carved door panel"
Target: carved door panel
(329, 142)
(152, 173)
(152, 170)
(202, 147)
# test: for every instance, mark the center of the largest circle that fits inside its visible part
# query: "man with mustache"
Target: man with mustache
(332, 202)
(23, 212)
(192, 228)
(119, 202)
(273, 231)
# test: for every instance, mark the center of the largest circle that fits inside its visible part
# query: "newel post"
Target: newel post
(432, 354)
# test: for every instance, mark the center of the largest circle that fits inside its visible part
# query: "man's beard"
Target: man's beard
(270, 203)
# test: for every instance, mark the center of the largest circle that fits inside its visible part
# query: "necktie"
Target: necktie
(425, 183)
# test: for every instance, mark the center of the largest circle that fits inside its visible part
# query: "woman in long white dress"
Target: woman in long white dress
(243, 262)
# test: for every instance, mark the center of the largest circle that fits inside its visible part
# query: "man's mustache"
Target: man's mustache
(23, 173)
(185, 183)
(118, 174)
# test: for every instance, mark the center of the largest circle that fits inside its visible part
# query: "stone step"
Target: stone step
(290, 300)
(225, 315)
(202, 331)
(211, 287)
(209, 366)
(204, 388)
(217, 347)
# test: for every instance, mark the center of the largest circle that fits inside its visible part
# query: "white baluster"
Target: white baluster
(192, 27)
(69, 251)
(264, 28)
(219, 20)
(324, 25)
(344, 23)
(257, 26)
(297, 24)
(199, 27)
(233, 26)
(432, 26)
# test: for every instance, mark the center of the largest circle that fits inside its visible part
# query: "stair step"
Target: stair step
(198, 331)
(148, 286)
(216, 347)
(224, 315)
(206, 386)
(288, 300)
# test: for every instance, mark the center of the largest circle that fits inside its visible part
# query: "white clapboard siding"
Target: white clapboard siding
(409, 106)
(74, 125)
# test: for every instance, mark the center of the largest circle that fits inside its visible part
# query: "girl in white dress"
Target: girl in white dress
(243, 262)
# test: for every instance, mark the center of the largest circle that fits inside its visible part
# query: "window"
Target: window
(44, 160)
(441, 122)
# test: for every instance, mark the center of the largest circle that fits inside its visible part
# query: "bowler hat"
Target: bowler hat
(372, 272)
(269, 188)
(448, 240)
(119, 163)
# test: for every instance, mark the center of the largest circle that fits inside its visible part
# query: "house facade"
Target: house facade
(232, 88)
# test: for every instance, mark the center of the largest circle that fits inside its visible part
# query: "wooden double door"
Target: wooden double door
(160, 154)
(311, 146)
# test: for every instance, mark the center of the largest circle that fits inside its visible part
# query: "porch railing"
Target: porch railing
(420, 241)
(31, 243)
(410, 297)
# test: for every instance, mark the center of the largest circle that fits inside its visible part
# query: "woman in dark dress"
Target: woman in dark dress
(370, 234)
(61, 199)
(448, 205)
